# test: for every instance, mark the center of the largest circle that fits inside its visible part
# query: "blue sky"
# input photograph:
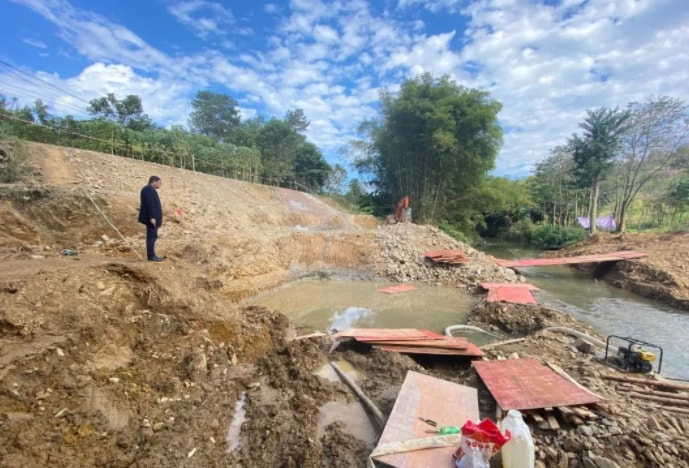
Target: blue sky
(547, 61)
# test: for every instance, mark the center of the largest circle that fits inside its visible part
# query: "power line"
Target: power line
(33, 94)
(21, 72)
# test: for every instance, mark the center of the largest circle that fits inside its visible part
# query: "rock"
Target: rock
(594, 461)
(583, 346)
(197, 366)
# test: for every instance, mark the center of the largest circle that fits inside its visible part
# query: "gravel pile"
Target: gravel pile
(401, 258)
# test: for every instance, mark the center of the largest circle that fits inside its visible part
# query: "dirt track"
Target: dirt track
(107, 360)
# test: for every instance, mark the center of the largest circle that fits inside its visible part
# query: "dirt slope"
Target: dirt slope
(107, 360)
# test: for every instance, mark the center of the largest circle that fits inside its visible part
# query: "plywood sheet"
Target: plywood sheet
(523, 384)
(422, 396)
(397, 289)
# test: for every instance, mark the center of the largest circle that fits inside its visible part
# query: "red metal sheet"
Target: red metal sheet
(593, 258)
(523, 384)
(422, 396)
(512, 294)
(397, 289)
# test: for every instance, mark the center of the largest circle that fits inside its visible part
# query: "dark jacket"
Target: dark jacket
(150, 206)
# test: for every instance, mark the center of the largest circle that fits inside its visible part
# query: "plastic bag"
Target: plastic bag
(479, 443)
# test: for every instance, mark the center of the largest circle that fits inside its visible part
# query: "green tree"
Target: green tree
(214, 115)
(553, 187)
(435, 141)
(335, 185)
(310, 168)
(658, 130)
(594, 151)
(127, 112)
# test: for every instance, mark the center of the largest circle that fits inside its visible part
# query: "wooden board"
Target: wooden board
(422, 396)
(525, 383)
(471, 350)
(371, 334)
(455, 342)
(446, 256)
(594, 258)
(397, 289)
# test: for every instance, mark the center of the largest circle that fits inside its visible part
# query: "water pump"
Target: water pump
(632, 354)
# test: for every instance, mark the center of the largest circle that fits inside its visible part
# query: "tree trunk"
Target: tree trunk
(593, 209)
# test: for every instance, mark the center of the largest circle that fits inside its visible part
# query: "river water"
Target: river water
(609, 310)
(340, 304)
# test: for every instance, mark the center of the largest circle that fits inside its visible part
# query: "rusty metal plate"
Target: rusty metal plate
(523, 384)
(422, 396)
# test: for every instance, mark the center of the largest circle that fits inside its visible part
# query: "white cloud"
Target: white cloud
(546, 64)
(203, 17)
(35, 43)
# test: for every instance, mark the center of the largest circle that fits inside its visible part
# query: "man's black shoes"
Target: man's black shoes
(156, 259)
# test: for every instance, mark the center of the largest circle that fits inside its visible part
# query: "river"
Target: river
(609, 310)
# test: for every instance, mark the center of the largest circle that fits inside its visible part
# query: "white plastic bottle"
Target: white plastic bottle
(519, 451)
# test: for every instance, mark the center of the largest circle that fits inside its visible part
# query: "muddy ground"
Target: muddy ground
(108, 360)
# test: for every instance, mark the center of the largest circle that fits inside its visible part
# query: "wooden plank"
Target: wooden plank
(422, 396)
(400, 288)
(371, 334)
(528, 286)
(552, 421)
(593, 258)
(471, 350)
(527, 384)
(453, 342)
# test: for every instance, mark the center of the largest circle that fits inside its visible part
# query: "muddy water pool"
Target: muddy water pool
(340, 304)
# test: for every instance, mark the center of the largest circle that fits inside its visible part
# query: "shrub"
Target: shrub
(554, 237)
(13, 165)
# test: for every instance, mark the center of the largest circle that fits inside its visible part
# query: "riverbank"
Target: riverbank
(109, 360)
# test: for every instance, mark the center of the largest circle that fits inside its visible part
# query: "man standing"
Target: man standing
(151, 214)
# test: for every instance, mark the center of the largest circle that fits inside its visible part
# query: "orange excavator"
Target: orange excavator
(402, 210)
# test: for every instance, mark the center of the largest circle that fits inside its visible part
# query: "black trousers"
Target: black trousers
(151, 237)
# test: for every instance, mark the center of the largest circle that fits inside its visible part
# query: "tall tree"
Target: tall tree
(128, 112)
(335, 185)
(435, 141)
(658, 129)
(553, 186)
(594, 151)
(214, 114)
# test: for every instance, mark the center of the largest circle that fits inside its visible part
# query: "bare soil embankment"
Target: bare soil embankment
(107, 360)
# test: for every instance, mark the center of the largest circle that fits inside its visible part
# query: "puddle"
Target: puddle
(340, 304)
(235, 430)
(354, 420)
(327, 372)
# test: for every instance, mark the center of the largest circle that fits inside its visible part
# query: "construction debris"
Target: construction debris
(450, 256)
(426, 398)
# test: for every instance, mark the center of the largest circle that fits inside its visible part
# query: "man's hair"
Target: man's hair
(153, 178)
